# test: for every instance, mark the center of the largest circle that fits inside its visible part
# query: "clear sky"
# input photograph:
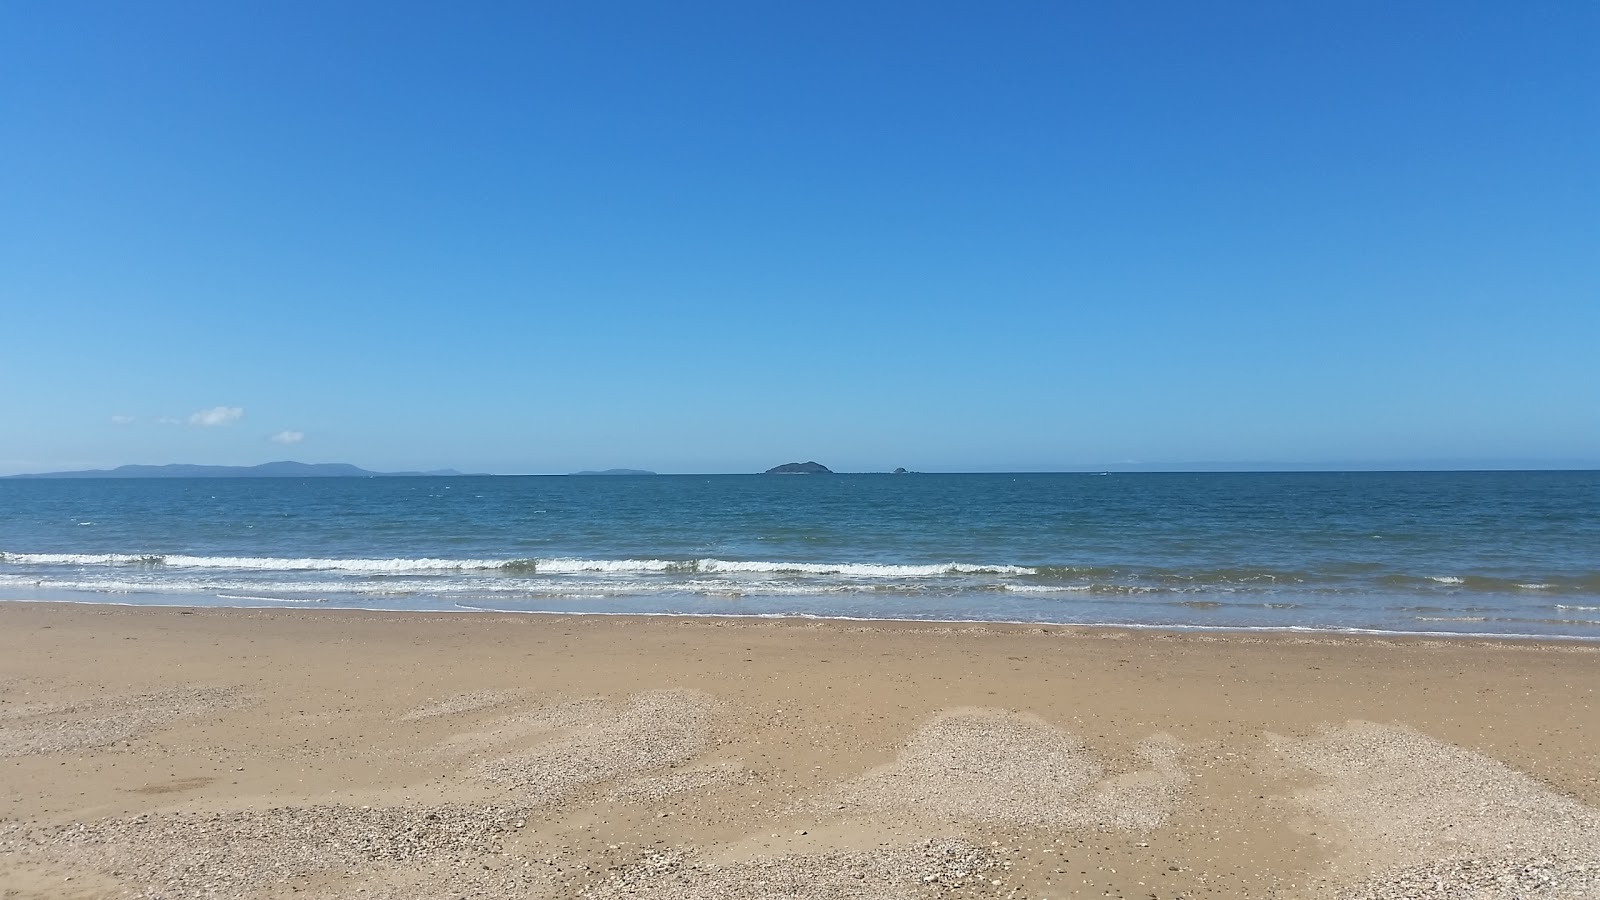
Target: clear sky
(700, 237)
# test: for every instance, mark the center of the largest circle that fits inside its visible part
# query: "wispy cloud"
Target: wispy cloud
(123, 420)
(288, 437)
(217, 415)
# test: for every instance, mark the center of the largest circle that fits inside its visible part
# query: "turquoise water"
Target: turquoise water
(1477, 552)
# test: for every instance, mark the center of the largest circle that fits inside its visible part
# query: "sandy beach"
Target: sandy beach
(177, 753)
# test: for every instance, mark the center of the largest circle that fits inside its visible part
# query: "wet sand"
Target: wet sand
(164, 752)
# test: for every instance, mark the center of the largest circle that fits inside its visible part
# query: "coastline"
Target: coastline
(756, 745)
(183, 601)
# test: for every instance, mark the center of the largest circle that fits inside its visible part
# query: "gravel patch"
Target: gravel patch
(518, 726)
(1538, 878)
(653, 730)
(1006, 768)
(650, 789)
(227, 855)
(448, 880)
(1424, 819)
(11, 712)
(924, 870)
(459, 704)
(47, 728)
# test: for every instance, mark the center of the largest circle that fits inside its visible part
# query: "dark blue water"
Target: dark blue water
(1478, 552)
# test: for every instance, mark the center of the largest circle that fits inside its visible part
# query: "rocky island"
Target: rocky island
(805, 468)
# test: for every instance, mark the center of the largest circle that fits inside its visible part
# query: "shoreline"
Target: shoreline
(190, 751)
(309, 606)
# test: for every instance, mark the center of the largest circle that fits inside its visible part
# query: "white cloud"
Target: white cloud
(217, 415)
(123, 420)
(288, 437)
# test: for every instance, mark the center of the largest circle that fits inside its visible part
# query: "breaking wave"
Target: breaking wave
(552, 566)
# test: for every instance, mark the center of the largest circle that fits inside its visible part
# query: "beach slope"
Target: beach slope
(166, 752)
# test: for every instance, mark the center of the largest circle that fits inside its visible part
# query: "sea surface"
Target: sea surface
(1511, 553)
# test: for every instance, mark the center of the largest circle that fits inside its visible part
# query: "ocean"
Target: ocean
(1503, 553)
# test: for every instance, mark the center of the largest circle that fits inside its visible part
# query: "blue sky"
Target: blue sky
(700, 237)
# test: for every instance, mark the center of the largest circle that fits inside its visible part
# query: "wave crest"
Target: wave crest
(550, 566)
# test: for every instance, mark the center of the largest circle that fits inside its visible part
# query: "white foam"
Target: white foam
(195, 586)
(1314, 630)
(179, 561)
(619, 566)
(330, 565)
(1447, 579)
(555, 566)
(560, 587)
(864, 570)
(563, 566)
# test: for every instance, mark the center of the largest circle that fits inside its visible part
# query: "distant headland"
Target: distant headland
(805, 468)
(615, 472)
(285, 469)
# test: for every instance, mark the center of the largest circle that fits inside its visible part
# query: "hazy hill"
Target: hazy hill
(285, 469)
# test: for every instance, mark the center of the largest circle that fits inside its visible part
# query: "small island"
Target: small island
(805, 468)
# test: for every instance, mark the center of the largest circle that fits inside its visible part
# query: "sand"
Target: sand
(197, 753)
(997, 767)
(1442, 821)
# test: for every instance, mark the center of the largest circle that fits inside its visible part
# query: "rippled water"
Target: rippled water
(1479, 552)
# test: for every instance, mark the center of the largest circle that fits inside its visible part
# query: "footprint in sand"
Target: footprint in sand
(1427, 820)
(995, 766)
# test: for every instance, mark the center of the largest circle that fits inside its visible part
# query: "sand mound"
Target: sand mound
(1007, 768)
(904, 873)
(655, 729)
(57, 728)
(233, 854)
(518, 726)
(460, 704)
(1424, 819)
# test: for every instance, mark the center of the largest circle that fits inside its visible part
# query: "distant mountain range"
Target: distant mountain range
(615, 472)
(284, 469)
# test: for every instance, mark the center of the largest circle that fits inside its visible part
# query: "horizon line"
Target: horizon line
(1260, 468)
